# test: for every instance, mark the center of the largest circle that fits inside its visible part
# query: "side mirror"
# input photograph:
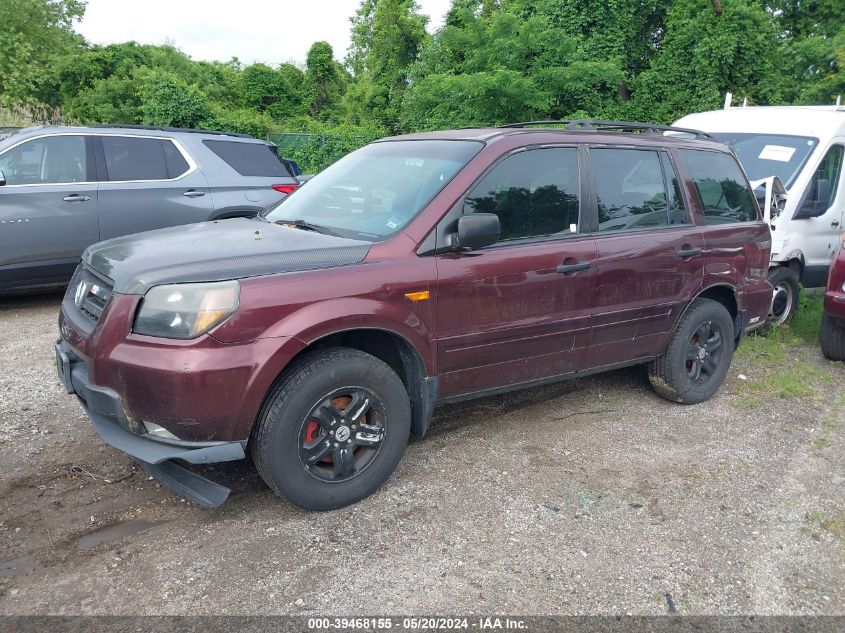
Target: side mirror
(476, 230)
(2, 178)
(818, 206)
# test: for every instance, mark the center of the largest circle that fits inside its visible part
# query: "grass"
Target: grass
(802, 380)
(773, 355)
(806, 324)
(834, 524)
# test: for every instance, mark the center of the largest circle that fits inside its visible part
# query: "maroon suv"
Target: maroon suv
(418, 270)
(833, 318)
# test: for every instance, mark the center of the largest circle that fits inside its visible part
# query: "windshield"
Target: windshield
(375, 191)
(764, 155)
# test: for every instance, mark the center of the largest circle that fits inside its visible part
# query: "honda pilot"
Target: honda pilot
(416, 271)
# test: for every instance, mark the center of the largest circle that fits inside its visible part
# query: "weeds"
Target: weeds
(771, 353)
(834, 524)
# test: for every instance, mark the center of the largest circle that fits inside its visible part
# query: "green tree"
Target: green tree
(389, 41)
(474, 99)
(705, 53)
(169, 101)
(360, 37)
(813, 45)
(324, 81)
(33, 35)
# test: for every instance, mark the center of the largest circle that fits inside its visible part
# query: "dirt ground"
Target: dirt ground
(593, 496)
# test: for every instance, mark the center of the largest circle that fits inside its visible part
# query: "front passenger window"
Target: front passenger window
(57, 159)
(534, 193)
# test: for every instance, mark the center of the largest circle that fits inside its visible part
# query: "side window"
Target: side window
(678, 213)
(176, 163)
(534, 193)
(630, 190)
(829, 169)
(249, 159)
(722, 188)
(48, 160)
(134, 158)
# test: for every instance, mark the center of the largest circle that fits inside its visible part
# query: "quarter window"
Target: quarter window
(722, 188)
(136, 158)
(630, 190)
(48, 160)
(534, 193)
(250, 159)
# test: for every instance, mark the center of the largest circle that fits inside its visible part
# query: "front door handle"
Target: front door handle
(685, 253)
(193, 193)
(835, 224)
(75, 197)
(572, 268)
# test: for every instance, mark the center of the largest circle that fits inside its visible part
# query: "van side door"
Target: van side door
(148, 183)
(48, 208)
(821, 213)
(649, 253)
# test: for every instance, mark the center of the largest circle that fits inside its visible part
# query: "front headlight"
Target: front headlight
(185, 311)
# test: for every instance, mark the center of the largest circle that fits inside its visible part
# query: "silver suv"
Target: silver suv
(64, 188)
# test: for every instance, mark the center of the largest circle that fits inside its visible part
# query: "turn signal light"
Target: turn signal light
(418, 296)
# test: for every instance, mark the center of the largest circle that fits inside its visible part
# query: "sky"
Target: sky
(265, 31)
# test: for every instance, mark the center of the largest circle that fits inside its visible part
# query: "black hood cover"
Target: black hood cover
(217, 251)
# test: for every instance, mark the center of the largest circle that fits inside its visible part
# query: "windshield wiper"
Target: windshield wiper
(307, 226)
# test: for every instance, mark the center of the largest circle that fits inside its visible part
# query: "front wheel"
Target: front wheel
(698, 356)
(833, 338)
(785, 293)
(333, 430)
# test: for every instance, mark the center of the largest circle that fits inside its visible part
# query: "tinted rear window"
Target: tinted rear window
(722, 188)
(249, 159)
(134, 158)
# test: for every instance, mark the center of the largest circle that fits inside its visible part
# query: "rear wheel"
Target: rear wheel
(785, 293)
(333, 430)
(698, 356)
(833, 338)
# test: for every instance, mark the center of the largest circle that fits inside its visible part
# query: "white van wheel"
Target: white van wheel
(785, 293)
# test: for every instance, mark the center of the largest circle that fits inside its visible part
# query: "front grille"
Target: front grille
(88, 293)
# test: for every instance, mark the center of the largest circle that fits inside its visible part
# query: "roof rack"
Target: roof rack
(619, 126)
(125, 126)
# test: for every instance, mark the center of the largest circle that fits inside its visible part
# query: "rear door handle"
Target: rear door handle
(573, 268)
(193, 193)
(835, 223)
(75, 197)
(689, 252)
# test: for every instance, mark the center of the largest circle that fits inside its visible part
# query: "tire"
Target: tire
(787, 290)
(673, 374)
(833, 338)
(342, 396)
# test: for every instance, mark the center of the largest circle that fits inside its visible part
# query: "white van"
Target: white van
(804, 146)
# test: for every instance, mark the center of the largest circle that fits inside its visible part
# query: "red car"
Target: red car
(418, 270)
(833, 319)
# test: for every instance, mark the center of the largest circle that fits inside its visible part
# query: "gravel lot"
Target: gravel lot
(593, 496)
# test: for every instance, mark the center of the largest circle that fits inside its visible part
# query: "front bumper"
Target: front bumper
(105, 409)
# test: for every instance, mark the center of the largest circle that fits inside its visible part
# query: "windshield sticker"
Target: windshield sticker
(777, 152)
(392, 222)
(414, 162)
